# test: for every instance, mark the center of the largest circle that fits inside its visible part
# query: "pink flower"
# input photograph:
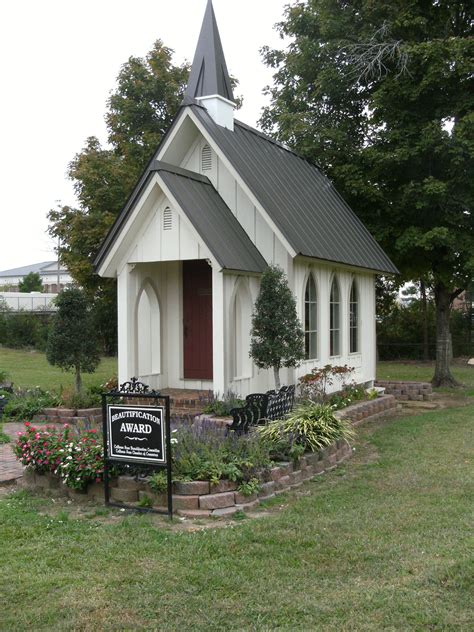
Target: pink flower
(66, 426)
(27, 424)
(37, 435)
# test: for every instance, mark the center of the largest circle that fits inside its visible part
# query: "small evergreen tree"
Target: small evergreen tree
(31, 283)
(72, 342)
(277, 338)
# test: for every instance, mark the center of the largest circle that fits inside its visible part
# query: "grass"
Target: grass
(423, 371)
(383, 543)
(30, 368)
(4, 438)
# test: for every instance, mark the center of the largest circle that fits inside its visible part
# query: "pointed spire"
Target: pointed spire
(209, 75)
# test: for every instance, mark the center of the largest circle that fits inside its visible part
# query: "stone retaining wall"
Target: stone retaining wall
(407, 391)
(200, 498)
(82, 419)
(372, 409)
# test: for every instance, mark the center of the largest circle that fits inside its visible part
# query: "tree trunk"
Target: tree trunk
(276, 373)
(424, 302)
(443, 376)
(78, 380)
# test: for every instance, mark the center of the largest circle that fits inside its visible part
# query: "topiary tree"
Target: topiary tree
(72, 342)
(32, 282)
(277, 338)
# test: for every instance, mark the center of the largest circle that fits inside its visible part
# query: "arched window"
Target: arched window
(354, 319)
(335, 320)
(167, 219)
(206, 159)
(311, 319)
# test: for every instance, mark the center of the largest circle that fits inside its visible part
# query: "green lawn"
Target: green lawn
(383, 543)
(30, 368)
(423, 371)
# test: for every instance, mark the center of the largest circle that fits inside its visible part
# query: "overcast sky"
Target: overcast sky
(59, 62)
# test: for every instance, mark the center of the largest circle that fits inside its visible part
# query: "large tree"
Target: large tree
(32, 282)
(380, 95)
(139, 112)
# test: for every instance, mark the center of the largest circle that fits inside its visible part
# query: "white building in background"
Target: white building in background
(54, 276)
(217, 204)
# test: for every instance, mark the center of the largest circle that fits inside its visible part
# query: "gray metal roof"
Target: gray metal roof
(212, 219)
(206, 210)
(209, 74)
(24, 270)
(301, 201)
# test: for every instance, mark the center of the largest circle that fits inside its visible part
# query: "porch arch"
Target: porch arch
(147, 331)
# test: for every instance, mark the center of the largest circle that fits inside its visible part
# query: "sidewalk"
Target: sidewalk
(10, 468)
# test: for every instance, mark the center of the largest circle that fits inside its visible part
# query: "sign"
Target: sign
(136, 434)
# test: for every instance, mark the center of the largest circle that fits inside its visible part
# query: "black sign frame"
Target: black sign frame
(130, 391)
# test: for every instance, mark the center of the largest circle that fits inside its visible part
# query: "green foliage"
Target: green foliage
(139, 111)
(379, 94)
(32, 282)
(145, 502)
(206, 454)
(399, 333)
(158, 482)
(312, 426)
(78, 460)
(222, 407)
(20, 330)
(25, 403)
(249, 488)
(277, 338)
(72, 343)
(4, 438)
(4, 376)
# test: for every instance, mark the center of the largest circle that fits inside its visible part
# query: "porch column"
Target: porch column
(218, 332)
(126, 299)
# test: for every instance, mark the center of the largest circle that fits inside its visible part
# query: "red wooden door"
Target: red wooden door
(197, 320)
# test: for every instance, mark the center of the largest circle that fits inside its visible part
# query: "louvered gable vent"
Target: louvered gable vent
(206, 159)
(167, 219)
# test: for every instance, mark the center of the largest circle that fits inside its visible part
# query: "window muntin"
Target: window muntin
(311, 319)
(354, 319)
(335, 320)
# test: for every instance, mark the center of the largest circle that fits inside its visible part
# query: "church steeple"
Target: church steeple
(209, 80)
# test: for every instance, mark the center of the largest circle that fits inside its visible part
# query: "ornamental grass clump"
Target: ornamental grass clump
(311, 426)
(77, 460)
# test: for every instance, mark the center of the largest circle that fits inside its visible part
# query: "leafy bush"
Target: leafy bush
(78, 460)
(349, 394)
(24, 404)
(4, 438)
(205, 453)
(314, 385)
(3, 376)
(311, 426)
(159, 482)
(88, 399)
(222, 407)
(20, 330)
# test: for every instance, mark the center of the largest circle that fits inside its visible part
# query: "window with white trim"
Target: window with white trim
(311, 319)
(354, 319)
(335, 320)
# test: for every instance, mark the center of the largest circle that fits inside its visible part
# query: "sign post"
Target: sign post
(136, 434)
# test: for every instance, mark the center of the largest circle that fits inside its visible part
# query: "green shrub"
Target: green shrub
(222, 407)
(4, 438)
(159, 482)
(20, 330)
(310, 425)
(24, 404)
(204, 453)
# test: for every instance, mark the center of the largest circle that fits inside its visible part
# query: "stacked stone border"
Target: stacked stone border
(197, 499)
(407, 391)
